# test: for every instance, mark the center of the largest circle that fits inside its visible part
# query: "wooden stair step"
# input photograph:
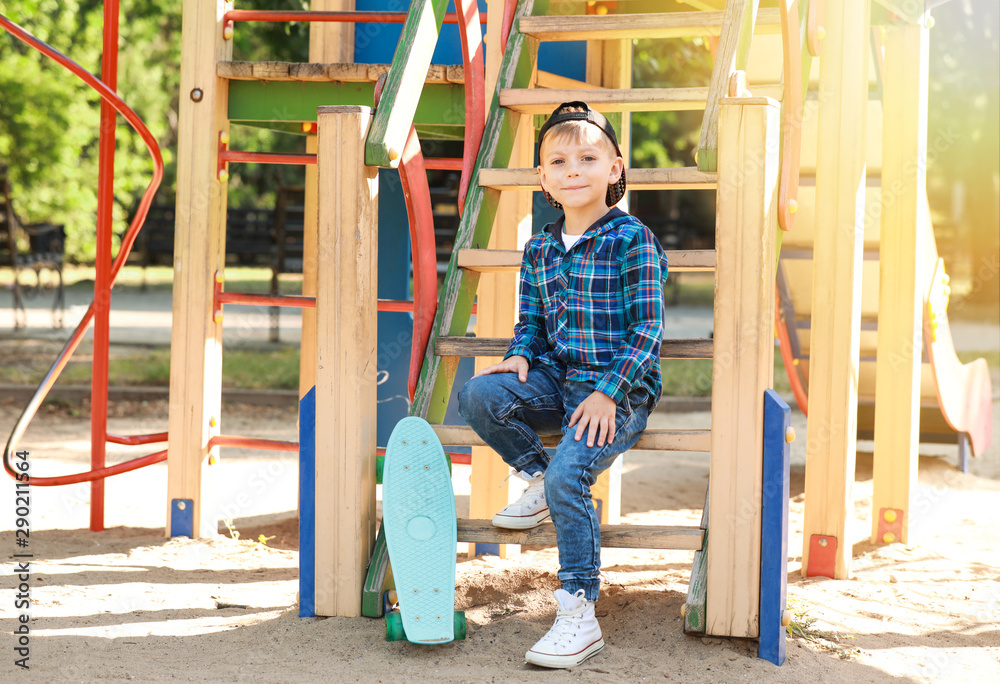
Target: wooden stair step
(696, 348)
(509, 260)
(633, 26)
(310, 71)
(651, 439)
(612, 536)
(681, 178)
(544, 100)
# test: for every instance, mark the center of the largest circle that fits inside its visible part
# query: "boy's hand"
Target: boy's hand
(598, 412)
(514, 364)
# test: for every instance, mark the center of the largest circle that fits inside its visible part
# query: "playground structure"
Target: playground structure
(749, 151)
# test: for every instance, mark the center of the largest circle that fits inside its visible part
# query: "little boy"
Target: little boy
(584, 363)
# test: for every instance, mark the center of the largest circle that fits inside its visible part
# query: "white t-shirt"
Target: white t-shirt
(570, 240)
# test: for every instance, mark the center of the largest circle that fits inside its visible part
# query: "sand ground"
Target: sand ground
(129, 604)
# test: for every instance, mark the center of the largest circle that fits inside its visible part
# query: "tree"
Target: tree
(963, 146)
(49, 119)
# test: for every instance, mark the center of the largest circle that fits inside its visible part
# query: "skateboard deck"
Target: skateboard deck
(418, 516)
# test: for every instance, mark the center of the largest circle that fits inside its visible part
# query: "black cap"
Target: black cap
(581, 111)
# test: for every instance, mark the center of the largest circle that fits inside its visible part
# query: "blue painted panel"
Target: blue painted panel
(395, 330)
(567, 59)
(376, 43)
(182, 518)
(774, 529)
(307, 504)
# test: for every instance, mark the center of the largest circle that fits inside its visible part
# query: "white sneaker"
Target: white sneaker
(573, 638)
(530, 510)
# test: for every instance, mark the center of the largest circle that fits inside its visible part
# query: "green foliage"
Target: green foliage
(50, 120)
(963, 143)
(668, 139)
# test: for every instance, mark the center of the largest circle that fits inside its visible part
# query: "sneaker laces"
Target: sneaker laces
(567, 624)
(535, 490)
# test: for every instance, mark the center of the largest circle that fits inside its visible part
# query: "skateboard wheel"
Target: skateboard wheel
(394, 627)
(391, 595)
(460, 627)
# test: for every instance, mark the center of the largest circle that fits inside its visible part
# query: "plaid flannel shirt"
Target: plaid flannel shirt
(596, 310)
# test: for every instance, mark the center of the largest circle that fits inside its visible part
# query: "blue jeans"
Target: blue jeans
(510, 415)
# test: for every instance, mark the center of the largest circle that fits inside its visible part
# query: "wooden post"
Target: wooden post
(836, 320)
(329, 43)
(346, 323)
(897, 373)
(743, 365)
(199, 254)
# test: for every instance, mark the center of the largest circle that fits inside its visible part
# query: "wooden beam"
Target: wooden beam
(320, 71)
(897, 372)
(743, 368)
(270, 71)
(836, 294)
(680, 178)
(405, 82)
(546, 79)
(497, 346)
(636, 26)
(347, 347)
(543, 101)
(612, 536)
(509, 260)
(331, 42)
(651, 440)
(199, 254)
(731, 55)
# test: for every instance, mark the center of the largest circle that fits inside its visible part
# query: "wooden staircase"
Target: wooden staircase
(739, 383)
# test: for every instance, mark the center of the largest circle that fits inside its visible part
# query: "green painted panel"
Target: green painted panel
(440, 104)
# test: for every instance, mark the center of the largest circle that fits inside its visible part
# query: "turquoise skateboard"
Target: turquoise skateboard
(418, 518)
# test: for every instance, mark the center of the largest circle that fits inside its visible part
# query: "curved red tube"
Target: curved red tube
(100, 473)
(413, 177)
(510, 6)
(794, 379)
(128, 240)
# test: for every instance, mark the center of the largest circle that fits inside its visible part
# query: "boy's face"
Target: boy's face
(577, 167)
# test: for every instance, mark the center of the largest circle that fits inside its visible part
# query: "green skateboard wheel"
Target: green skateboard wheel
(394, 627)
(460, 624)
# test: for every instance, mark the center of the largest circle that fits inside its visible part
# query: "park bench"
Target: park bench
(254, 237)
(32, 248)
